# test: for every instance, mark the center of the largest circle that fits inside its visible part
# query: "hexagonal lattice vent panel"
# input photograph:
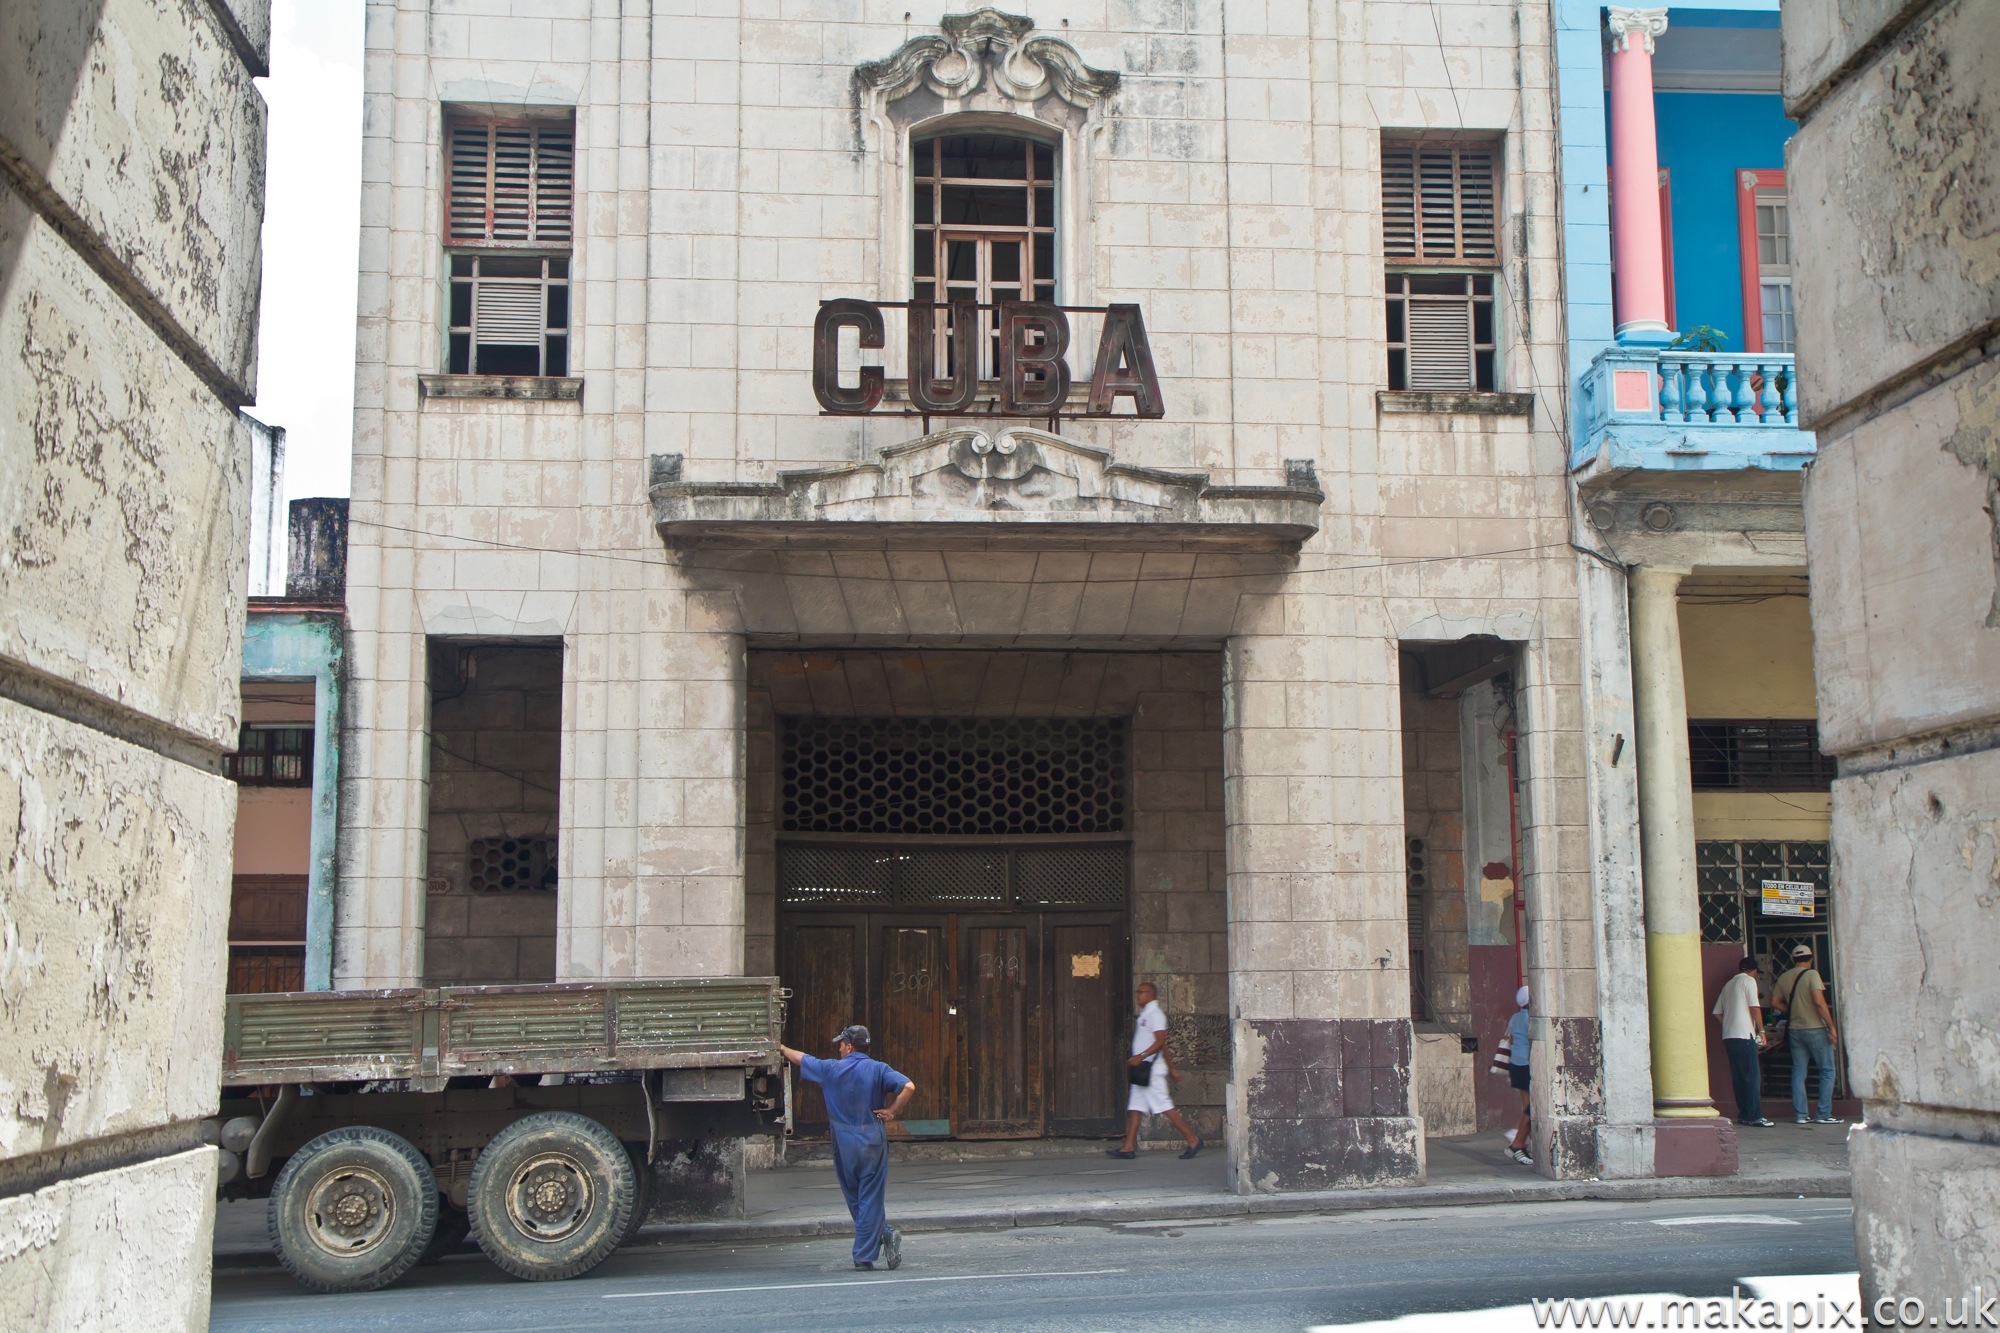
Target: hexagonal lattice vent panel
(952, 878)
(951, 775)
(509, 865)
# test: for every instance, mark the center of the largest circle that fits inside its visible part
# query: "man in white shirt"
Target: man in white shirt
(1742, 1038)
(1149, 1053)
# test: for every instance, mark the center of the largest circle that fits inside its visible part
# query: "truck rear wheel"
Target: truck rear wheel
(551, 1196)
(353, 1210)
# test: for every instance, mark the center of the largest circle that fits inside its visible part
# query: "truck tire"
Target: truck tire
(642, 1197)
(353, 1210)
(551, 1196)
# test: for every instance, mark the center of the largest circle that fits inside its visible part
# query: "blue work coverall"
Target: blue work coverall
(855, 1088)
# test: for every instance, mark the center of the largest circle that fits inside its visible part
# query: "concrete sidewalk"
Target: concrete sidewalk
(991, 1186)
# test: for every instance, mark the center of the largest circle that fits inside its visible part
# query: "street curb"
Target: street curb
(1205, 1207)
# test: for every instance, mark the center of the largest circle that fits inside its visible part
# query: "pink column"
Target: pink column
(1635, 178)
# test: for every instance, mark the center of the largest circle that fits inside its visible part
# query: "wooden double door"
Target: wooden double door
(1011, 1024)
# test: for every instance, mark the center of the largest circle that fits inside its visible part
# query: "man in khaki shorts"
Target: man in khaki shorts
(1149, 1050)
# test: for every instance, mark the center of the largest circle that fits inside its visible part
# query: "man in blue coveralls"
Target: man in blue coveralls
(862, 1097)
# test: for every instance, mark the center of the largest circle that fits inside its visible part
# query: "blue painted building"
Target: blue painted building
(1687, 465)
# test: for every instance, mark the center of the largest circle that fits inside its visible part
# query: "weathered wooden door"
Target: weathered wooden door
(1000, 1015)
(910, 962)
(821, 960)
(1087, 1079)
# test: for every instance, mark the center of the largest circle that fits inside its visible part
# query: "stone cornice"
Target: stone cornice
(1015, 487)
(988, 42)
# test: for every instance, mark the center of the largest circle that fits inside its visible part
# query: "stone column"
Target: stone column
(1690, 1138)
(1319, 986)
(1635, 178)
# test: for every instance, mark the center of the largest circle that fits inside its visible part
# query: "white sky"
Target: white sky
(312, 224)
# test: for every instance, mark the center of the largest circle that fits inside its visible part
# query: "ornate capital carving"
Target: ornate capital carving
(983, 44)
(1627, 23)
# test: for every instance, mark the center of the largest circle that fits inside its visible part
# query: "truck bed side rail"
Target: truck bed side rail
(438, 1032)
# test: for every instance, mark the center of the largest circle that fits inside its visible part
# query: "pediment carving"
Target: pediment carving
(974, 48)
(1012, 486)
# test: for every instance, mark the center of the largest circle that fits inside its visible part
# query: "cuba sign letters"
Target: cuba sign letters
(1032, 343)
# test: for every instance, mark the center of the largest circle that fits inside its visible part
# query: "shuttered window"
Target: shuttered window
(1438, 204)
(1439, 212)
(512, 184)
(509, 225)
(509, 315)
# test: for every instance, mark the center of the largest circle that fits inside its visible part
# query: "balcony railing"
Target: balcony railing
(1718, 390)
(1655, 408)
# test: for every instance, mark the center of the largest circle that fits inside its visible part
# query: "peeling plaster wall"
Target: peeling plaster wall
(131, 195)
(1894, 188)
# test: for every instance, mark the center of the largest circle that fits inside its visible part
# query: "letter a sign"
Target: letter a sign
(1029, 342)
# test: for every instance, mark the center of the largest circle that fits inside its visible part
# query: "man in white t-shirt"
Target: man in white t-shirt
(1742, 1038)
(1149, 1052)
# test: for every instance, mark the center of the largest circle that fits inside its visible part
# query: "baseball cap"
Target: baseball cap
(854, 1033)
(1802, 951)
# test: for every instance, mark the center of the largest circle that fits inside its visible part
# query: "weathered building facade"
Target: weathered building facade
(1899, 327)
(131, 191)
(669, 657)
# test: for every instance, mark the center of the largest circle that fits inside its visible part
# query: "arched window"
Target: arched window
(985, 210)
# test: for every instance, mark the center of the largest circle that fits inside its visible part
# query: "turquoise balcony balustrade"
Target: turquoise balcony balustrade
(1691, 411)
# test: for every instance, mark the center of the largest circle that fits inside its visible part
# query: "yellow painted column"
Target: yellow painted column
(1666, 848)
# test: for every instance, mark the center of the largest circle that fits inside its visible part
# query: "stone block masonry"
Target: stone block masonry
(131, 192)
(1893, 190)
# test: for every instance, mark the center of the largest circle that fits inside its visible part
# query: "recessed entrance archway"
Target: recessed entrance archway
(977, 853)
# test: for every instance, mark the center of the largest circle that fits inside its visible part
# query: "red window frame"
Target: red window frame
(1749, 180)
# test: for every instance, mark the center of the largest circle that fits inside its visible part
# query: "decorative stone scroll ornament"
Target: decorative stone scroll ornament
(987, 44)
(1627, 23)
(987, 71)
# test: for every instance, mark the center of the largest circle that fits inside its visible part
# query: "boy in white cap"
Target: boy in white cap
(1517, 1073)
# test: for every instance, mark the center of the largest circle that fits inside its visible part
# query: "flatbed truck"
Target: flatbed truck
(385, 1126)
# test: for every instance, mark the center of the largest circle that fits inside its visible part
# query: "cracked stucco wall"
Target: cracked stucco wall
(131, 198)
(1895, 192)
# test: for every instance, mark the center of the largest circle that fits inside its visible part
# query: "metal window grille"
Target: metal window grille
(1440, 203)
(513, 184)
(510, 865)
(509, 315)
(268, 756)
(1762, 754)
(985, 228)
(1441, 332)
(949, 775)
(1730, 877)
(952, 878)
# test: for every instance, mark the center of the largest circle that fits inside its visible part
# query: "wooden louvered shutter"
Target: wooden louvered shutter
(1439, 204)
(511, 184)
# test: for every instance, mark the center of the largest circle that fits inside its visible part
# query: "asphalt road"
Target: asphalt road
(1249, 1273)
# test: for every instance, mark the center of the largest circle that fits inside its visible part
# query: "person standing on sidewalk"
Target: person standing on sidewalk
(1518, 1050)
(862, 1097)
(1742, 1038)
(1149, 1053)
(1800, 995)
